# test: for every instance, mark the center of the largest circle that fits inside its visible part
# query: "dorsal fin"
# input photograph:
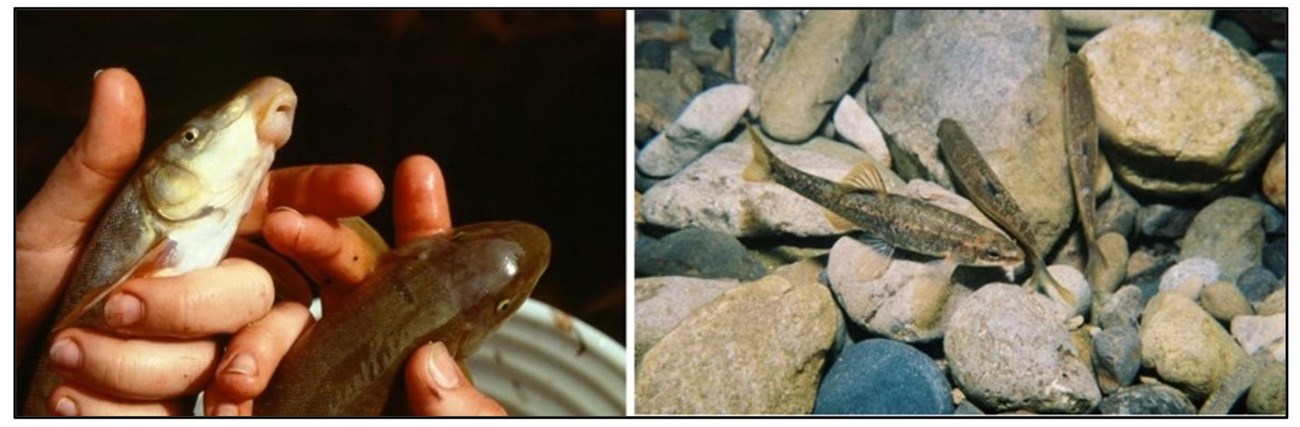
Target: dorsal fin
(864, 176)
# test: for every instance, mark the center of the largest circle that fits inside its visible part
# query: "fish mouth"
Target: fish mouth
(273, 102)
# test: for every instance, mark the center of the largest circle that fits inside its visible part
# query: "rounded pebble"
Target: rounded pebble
(1256, 283)
(1186, 347)
(1117, 357)
(1224, 301)
(1190, 276)
(1122, 308)
(880, 376)
(1153, 399)
(1230, 231)
(1268, 395)
(697, 252)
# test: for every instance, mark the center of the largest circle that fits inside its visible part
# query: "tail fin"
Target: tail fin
(760, 169)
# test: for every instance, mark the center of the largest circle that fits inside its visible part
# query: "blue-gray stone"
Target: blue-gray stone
(653, 54)
(880, 376)
(697, 252)
(1117, 213)
(1117, 356)
(1152, 399)
(1236, 34)
(1274, 220)
(1256, 283)
(967, 408)
(1275, 62)
(1275, 257)
(1122, 308)
(1161, 220)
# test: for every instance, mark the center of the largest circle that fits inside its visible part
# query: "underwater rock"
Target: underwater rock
(1008, 350)
(1274, 183)
(660, 90)
(902, 299)
(1111, 265)
(1268, 395)
(699, 253)
(967, 408)
(1117, 214)
(1190, 276)
(1274, 257)
(854, 124)
(880, 376)
(1230, 232)
(1161, 220)
(1185, 345)
(1256, 283)
(997, 73)
(1215, 117)
(1274, 304)
(1094, 20)
(710, 193)
(1151, 399)
(1224, 301)
(830, 49)
(662, 303)
(753, 38)
(1073, 281)
(1117, 358)
(706, 121)
(1266, 333)
(1233, 387)
(1123, 308)
(1237, 35)
(652, 54)
(720, 360)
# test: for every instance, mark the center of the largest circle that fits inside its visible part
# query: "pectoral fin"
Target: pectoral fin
(158, 257)
(838, 223)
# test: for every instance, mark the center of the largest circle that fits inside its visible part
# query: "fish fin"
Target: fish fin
(1044, 280)
(374, 241)
(878, 245)
(864, 176)
(156, 258)
(760, 169)
(838, 223)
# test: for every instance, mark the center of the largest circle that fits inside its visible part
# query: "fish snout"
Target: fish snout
(274, 102)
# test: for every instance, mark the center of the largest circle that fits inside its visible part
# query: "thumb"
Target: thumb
(48, 230)
(435, 386)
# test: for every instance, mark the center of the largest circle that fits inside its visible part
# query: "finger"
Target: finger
(203, 302)
(222, 408)
(289, 283)
(253, 355)
(330, 191)
(330, 253)
(420, 200)
(435, 386)
(48, 229)
(132, 368)
(71, 401)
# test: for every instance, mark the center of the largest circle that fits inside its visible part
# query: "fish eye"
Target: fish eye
(993, 253)
(503, 305)
(190, 135)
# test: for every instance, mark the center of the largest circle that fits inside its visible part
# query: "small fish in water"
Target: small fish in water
(991, 197)
(899, 221)
(456, 288)
(1081, 153)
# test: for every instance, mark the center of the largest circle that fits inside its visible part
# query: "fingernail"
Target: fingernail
(443, 368)
(123, 309)
(65, 408)
(242, 364)
(225, 410)
(65, 354)
(96, 76)
(284, 209)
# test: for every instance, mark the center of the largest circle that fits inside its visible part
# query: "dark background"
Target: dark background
(523, 110)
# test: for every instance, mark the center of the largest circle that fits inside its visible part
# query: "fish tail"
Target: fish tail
(760, 169)
(1044, 280)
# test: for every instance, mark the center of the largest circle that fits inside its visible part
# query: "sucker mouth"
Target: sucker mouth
(275, 103)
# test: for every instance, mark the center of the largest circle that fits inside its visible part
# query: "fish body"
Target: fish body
(178, 211)
(456, 288)
(1082, 153)
(974, 175)
(896, 220)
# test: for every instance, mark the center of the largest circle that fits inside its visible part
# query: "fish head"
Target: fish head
(217, 160)
(519, 254)
(991, 250)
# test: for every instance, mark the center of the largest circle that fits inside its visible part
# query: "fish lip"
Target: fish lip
(274, 103)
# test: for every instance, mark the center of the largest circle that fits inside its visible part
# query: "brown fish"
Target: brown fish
(899, 221)
(991, 197)
(1081, 153)
(456, 288)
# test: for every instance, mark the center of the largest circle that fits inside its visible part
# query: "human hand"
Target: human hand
(340, 258)
(161, 337)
